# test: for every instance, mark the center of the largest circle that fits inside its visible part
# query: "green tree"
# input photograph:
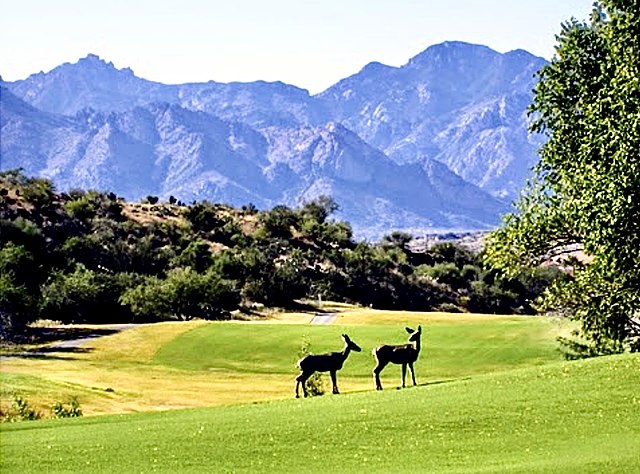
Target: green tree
(319, 209)
(182, 295)
(586, 193)
(398, 240)
(19, 291)
(279, 222)
(86, 296)
(196, 255)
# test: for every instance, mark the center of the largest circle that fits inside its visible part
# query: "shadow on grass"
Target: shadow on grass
(40, 342)
(428, 384)
(60, 334)
(391, 387)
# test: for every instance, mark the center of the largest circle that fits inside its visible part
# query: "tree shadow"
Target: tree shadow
(61, 334)
(58, 339)
(48, 355)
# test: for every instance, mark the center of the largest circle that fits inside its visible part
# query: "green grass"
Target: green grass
(197, 364)
(450, 348)
(581, 417)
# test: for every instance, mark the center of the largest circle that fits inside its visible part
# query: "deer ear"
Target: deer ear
(409, 330)
(419, 328)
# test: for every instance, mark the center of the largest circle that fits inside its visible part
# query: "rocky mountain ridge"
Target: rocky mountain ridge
(440, 143)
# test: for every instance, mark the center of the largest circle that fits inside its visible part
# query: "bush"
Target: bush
(314, 384)
(59, 410)
(445, 273)
(20, 411)
(204, 217)
(449, 308)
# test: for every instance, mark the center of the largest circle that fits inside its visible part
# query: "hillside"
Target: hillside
(91, 257)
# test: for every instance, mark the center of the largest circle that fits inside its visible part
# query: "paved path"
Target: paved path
(324, 318)
(72, 343)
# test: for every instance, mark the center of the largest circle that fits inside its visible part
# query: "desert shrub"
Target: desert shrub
(21, 411)
(196, 255)
(204, 217)
(449, 308)
(279, 222)
(453, 253)
(445, 273)
(59, 410)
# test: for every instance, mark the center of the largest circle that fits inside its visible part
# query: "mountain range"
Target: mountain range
(441, 143)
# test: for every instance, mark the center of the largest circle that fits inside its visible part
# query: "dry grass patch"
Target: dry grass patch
(115, 374)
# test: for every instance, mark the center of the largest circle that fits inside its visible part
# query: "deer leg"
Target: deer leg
(334, 382)
(376, 374)
(413, 374)
(404, 373)
(301, 380)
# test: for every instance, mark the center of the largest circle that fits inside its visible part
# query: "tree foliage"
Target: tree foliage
(586, 194)
(91, 257)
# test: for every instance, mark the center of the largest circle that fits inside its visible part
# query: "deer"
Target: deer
(405, 354)
(329, 362)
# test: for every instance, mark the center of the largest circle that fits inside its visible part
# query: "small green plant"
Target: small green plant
(314, 384)
(21, 411)
(59, 410)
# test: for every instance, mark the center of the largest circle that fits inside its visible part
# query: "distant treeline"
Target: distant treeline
(91, 257)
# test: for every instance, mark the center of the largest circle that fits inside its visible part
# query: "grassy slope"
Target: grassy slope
(579, 416)
(452, 347)
(196, 364)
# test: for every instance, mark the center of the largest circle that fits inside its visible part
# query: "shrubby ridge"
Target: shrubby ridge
(92, 257)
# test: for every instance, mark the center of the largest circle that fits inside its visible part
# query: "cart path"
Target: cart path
(324, 318)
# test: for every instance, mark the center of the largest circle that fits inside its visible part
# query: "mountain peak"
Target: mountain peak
(375, 67)
(94, 60)
(449, 49)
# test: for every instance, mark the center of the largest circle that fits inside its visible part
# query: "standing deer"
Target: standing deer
(330, 362)
(405, 354)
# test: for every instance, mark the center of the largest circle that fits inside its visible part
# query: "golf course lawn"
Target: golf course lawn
(199, 364)
(493, 395)
(580, 416)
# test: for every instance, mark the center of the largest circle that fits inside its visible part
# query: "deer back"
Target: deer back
(322, 362)
(401, 354)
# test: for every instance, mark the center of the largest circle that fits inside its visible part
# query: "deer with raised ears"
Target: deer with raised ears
(404, 355)
(329, 362)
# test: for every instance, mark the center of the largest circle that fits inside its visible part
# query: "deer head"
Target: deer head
(350, 344)
(414, 335)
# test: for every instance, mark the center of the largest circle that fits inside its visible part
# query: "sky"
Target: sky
(308, 43)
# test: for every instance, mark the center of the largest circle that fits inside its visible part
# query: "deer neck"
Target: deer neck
(416, 345)
(345, 352)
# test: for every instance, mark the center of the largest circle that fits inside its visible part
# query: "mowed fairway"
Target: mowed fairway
(198, 364)
(574, 417)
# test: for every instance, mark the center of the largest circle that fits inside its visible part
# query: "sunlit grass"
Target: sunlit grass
(196, 364)
(581, 416)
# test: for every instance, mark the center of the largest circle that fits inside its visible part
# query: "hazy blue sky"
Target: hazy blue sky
(308, 43)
